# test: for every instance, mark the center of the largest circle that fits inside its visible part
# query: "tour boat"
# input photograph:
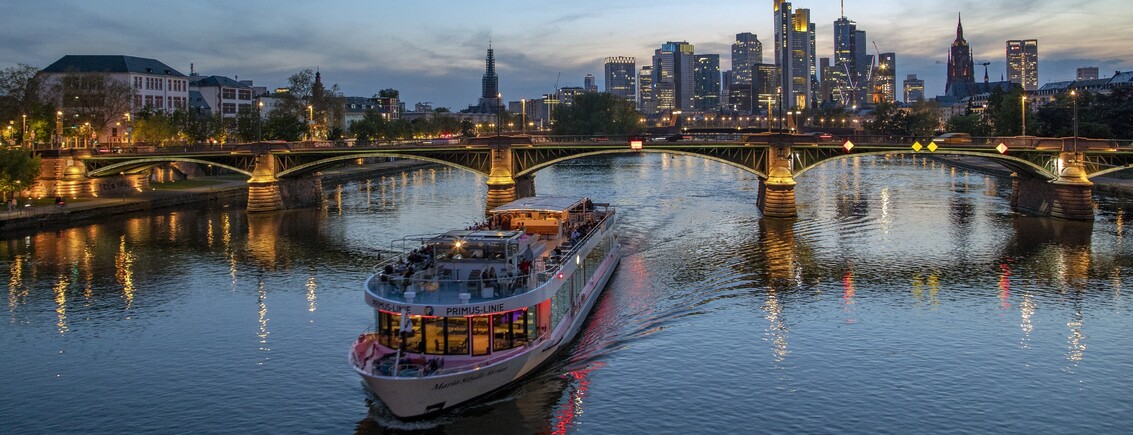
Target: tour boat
(467, 312)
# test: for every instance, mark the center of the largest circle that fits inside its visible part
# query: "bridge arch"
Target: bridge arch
(541, 165)
(132, 166)
(321, 164)
(1016, 164)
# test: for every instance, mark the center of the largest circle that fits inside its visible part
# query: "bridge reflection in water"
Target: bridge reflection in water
(1052, 177)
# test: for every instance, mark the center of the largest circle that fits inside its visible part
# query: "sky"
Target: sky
(433, 50)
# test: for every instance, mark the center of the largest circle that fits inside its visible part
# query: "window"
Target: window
(245, 94)
(228, 94)
(456, 335)
(158, 102)
(228, 108)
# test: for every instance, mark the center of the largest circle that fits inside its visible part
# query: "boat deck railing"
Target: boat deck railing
(415, 365)
(442, 284)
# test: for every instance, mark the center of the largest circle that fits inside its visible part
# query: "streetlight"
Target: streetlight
(310, 122)
(24, 134)
(259, 121)
(1074, 102)
(59, 128)
(1023, 99)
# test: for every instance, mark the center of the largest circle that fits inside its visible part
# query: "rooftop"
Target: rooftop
(110, 64)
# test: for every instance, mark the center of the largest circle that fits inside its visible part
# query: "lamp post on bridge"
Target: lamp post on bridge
(1074, 104)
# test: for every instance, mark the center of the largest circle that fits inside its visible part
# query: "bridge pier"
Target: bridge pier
(777, 192)
(501, 182)
(1068, 197)
(263, 187)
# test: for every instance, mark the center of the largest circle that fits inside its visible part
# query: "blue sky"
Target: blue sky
(434, 50)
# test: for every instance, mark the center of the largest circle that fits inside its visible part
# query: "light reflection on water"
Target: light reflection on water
(906, 297)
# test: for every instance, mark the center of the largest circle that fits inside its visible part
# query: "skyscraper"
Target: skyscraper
(1023, 63)
(794, 46)
(914, 89)
(885, 78)
(706, 96)
(843, 74)
(588, 84)
(961, 72)
(645, 101)
(621, 77)
(746, 51)
(673, 74)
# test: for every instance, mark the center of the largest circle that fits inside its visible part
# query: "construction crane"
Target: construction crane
(985, 64)
(554, 101)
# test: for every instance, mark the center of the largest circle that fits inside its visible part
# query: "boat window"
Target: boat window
(434, 334)
(457, 336)
(509, 329)
(481, 335)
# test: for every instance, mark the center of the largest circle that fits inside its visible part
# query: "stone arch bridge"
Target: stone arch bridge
(1051, 180)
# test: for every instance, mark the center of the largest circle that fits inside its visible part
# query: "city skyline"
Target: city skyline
(436, 54)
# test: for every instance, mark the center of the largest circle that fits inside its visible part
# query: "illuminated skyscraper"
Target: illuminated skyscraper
(1023, 63)
(588, 84)
(707, 78)
(843, 74)
(794, 54)
(673, 76)
(645, 101)
(746, 52)
(621, 77)
(961, 72)
(885, 79)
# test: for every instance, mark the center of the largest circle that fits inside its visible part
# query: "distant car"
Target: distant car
(821, 136)
(953, 138)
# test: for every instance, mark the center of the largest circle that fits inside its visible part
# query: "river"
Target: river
(905, 298)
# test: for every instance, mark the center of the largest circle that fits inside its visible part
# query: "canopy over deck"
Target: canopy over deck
(541, 203)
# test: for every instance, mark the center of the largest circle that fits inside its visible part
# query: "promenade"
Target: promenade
(44, 215)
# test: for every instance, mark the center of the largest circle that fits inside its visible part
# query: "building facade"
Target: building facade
(1087, 73)
(1023, 63)
(621, 77)
(219, 94)
(914, 89)
(152, 85)
(885, 79)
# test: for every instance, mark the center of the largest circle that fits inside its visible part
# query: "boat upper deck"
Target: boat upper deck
(517, 249)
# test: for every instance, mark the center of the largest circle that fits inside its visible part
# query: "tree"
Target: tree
(281, 125)
(92, 97)
(18, 170)
(971, 123)
(19, 91)
(597, 113)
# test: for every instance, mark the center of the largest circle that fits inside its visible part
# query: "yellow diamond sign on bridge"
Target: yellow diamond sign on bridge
(848, 146)
(1001, 148)
(917, 146)
(932, 147)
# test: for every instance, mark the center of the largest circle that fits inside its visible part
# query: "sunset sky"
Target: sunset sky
(434, 50)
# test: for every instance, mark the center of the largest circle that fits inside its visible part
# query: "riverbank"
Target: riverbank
(40, 216)
(1114, 186)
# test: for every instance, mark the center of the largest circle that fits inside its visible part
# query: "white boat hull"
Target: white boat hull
(409, 397)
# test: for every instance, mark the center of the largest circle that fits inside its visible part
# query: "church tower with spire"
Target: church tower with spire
(961, 70)
(490, 97)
